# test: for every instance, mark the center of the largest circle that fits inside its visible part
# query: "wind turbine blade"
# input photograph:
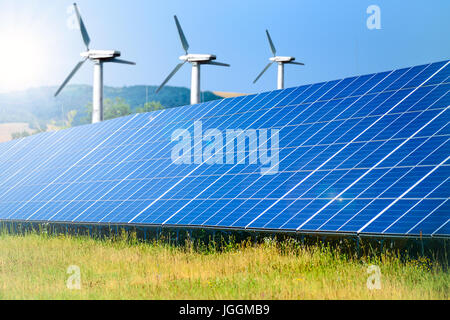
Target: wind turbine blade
(272, 46)
(121, 61)
(184, 42)
(297, 63)
(77, 67)
(178, 67)
(83, 30)
(215, 63)
(264, 71)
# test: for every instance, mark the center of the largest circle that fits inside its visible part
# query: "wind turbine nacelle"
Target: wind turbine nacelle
(101, 54)
(198, 58)
(282, 59)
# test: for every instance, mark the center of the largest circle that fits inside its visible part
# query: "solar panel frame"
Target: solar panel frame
(77, 186)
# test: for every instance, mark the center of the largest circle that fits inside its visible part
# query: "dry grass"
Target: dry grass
(229, 94)
(7, 129)
(35, 266)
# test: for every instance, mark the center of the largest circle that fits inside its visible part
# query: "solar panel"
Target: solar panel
(364, 155)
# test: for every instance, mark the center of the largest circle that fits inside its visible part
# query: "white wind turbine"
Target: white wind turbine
(281, 62)
(98, 57)
(196, 60)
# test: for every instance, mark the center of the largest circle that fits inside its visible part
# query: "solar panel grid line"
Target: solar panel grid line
(393, 203)
(67, 146)
(87, 171)
(5, 170)
(219, 110)
(16, 148)
(68, 151)
(11, 176)
(429, 223)
(69, 168)
(189, 174)
(143, 164)
(438, 229)
(269, 120)
(297, 115)
(22, 170)
(100, 151)
(114, 187)
(356, 142)
(317, 122)
(337, 197)
(383, 174)
(345, 169)
(184, 114)
(318, 168)
(249, 155)
(291, 152)
(389, 214)
(381, 178)
(337, 213)
(426, 217)
(165, 140)
(339, 119)
(252, 198)
(154, 169)
(368, 204)
(353, 199)
(312, 160)
(19, 144)
(414, 206)
(8, 146)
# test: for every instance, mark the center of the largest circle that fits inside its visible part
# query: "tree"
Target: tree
(20, 135)
(70, 117)
(111, 109)
(150, 106)
(116, 109)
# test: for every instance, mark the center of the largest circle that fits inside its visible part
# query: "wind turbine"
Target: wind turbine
(281, 62)
(98, 57)
(196, 60)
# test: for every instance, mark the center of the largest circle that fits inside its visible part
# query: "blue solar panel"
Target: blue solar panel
(362, 155)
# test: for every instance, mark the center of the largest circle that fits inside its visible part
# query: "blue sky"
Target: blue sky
(330, 37)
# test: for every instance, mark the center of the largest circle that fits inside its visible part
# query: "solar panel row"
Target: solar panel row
(367, 155)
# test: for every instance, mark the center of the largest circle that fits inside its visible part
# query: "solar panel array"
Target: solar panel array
(362, 155)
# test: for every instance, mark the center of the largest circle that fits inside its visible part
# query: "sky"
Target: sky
(39, 46)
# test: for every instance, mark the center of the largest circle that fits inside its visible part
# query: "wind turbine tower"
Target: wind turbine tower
(196, 60)
(281, 61)
(99, 58)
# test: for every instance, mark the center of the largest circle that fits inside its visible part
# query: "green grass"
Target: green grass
(35, 267)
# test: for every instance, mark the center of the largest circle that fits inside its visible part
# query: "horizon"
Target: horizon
(187, 86)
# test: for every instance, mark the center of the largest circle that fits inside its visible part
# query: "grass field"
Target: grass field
(7, 129)
(35, 267)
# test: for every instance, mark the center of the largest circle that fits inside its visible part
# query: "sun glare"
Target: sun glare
(22, 60)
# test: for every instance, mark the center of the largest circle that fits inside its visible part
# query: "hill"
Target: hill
(38, 107)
